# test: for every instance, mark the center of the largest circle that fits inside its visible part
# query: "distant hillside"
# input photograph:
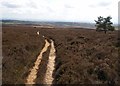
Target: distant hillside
(58, 24)
(16, 22)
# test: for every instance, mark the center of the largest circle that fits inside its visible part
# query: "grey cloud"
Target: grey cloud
(49, 9)
(9, 5)
(68, 6)
(92, 6)
(101, 4)
(32, 4)
(104, 4)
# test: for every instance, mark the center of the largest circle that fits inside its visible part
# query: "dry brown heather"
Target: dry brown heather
(83, 56)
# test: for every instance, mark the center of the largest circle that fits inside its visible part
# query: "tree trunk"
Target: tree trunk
(105, 31)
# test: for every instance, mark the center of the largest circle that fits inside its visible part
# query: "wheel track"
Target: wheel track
(33, 72)
(48, 79)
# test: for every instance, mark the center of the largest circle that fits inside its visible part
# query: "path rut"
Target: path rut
(48, 79)
(51, 65)
(33, 73)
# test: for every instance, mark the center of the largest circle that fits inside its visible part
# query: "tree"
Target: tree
(104, 24)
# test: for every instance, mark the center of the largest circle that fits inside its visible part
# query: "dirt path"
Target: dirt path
(48, 79)
(50, 66)
(33, 73)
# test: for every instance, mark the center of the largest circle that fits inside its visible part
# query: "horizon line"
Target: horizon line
(52, 21)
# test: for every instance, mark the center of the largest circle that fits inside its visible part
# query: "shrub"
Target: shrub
(102, 75)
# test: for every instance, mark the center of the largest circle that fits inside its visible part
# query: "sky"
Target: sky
(59, 10)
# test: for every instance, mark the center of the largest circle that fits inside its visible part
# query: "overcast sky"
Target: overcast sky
(59, 10)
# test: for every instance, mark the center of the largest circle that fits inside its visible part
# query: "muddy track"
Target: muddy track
(48, 79)
(50, 66)
(33, 73)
